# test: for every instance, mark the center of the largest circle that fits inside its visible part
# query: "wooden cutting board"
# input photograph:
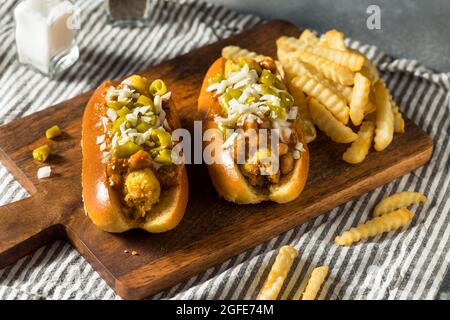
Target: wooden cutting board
(212, 229)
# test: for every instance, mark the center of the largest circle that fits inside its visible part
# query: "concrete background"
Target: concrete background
(414, 29)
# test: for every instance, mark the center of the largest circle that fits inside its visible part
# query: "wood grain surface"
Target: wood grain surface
(212, 229)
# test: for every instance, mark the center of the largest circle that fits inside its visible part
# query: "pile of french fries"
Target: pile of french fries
(340, 91)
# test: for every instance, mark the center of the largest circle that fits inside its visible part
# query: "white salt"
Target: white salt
(45, 36)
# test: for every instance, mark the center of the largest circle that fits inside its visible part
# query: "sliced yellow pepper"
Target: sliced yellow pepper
(123, 112)
(145, 101)
(117, 123)
(116, 105)
(143, 126)
(41, 153)
(158, 88)
(137, 82)
(162, 138)
(53, 132)
(126, 150)
(164, 156)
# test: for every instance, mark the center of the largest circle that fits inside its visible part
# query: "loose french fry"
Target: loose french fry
(235, 52)
(360, 99)
(378, 225)
(329, 69)
(308, 37)
(333, 128)
(312, 83)
(384, 124)
(333, 39)
(315, 282)
(398, 200)
(359, 149)
(278, 273)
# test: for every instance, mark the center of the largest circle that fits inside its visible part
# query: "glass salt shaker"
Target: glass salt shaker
(128, 12)
(45, 33)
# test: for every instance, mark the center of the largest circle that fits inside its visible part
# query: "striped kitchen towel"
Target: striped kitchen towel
(398, 265)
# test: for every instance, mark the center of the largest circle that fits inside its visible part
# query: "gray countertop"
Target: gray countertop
(414, 29)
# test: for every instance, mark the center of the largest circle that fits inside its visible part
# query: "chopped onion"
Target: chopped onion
(44, 172)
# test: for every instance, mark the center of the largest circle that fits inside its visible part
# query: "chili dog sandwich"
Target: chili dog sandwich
(128, 177)
(242, 93)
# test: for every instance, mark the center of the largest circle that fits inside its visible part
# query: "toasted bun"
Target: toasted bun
(101, 202)
(225, 173)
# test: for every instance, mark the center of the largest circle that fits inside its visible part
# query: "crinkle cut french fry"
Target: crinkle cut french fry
(313, 84)
(384, 124)
(360, 99)
(315, 282)
(346, 91)
(308, 37)
(333, 39)
(291, 44)
(378, 225)
(370, 71)
(350, 59)
(285, 52)
(284, 56)
(359, 149)
(234, 52)
(398, 200)
(371, 106)
(333, 128)
(331, 70)
(278, 273)
(399, 122)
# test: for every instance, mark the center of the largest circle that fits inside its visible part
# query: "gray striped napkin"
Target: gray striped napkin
(398, 265)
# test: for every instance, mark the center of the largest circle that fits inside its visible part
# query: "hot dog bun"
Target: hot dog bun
(226, 176)
(101, 202)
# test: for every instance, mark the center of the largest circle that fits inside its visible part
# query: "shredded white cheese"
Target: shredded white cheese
(127, 128)
(299, 146)
(112, 114)
(103, 146)
(100, 139)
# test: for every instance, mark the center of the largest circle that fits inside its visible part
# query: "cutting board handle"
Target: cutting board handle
(24, 227)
